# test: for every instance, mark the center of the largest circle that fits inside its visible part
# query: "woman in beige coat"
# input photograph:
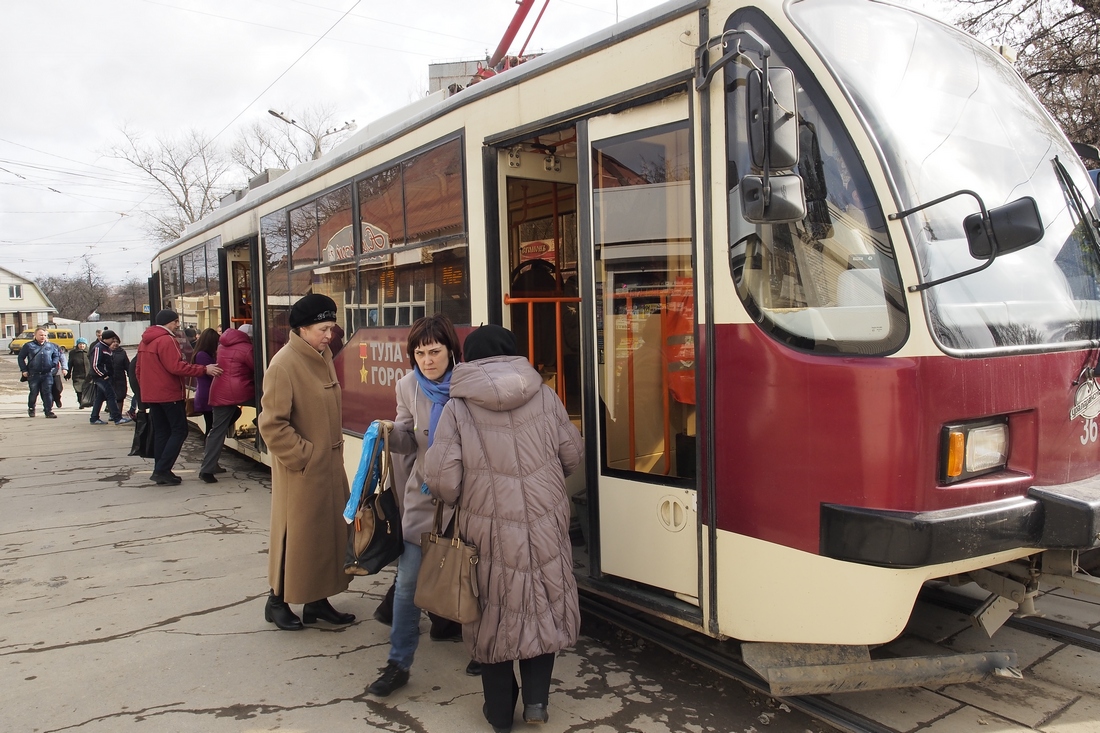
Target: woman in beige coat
(301, 425)
(503, 447)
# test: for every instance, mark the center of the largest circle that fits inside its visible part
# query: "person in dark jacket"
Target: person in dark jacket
(38, 361)
(503, 447)
(80, 367)
(102, 372)
(161, 370)
(236, 386)
(120, 366)
(206, 350)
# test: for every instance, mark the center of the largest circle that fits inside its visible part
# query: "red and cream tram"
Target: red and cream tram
(817, 279)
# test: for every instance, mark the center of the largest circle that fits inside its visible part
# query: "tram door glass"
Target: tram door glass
(542, 288)
(642, 233)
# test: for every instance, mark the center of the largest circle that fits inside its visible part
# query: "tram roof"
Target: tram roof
(437, 104)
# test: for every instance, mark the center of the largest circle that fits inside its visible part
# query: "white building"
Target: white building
(22, 304)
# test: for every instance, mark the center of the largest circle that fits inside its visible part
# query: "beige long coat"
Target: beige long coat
(502, 449)
(301, 425)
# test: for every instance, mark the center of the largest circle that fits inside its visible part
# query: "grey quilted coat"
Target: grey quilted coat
(502, 449)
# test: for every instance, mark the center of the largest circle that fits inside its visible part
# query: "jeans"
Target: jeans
(104, 392)
(405, 630)
(169, 432)
(40, 383)
(224, 417)
(498, 683)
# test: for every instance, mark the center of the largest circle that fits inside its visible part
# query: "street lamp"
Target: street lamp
(317, 138)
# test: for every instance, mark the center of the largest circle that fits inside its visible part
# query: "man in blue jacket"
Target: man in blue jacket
(37, 361)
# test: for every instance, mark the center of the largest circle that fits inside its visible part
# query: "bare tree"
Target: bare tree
(274, 143)
(77, 296)
(190, 174)
(1058, 42)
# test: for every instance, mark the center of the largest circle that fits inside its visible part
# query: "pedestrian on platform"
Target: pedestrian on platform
(301, 423)
(80, 367)
(38, 361)
(120, 367)
(161, 371)
(503, 447)
(102, 380)
(432, 347)
(206, 352)
(236, 386)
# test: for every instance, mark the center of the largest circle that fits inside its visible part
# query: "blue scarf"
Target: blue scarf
(438, 392)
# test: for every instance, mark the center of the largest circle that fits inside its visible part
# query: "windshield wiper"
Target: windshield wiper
(1077, 200)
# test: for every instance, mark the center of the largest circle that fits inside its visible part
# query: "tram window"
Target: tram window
(432, 183)
(645, 301)
(828, 283)
(305, 239)
(381, 210)
(275, 242)
(334, 225)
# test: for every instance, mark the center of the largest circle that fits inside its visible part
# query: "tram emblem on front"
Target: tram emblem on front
(1086, 404)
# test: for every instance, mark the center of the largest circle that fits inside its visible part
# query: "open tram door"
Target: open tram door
(598, 286)
(637, 167)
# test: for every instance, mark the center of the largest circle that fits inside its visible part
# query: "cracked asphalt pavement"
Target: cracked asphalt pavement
(128, 606)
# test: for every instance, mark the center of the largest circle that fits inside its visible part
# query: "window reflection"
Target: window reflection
(645, 300)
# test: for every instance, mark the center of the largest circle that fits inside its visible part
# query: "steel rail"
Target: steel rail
(1057, 630)
(698, 648)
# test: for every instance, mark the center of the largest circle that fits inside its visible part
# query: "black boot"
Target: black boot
(279, 613)
(323, 610)
(384, 612)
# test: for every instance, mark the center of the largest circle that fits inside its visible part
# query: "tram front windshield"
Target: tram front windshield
(948, 114)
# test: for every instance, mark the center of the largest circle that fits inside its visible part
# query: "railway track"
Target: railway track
(1050, 628)
(723, 658)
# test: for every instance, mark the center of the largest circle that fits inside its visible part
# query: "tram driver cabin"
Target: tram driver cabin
(817, 281)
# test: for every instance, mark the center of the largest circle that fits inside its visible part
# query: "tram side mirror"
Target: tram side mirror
(1016, 225)
(779, 135)
(786, 202)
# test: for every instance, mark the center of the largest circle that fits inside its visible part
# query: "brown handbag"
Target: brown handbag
(447, 582)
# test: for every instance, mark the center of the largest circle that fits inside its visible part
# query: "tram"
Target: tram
(817, 279)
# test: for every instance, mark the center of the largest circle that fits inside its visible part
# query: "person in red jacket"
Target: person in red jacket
(236, 386)
(160, 373)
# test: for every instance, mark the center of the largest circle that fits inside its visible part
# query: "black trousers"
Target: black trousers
(498, 682)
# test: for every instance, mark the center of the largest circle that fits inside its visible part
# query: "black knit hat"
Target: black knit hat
(489, 341)
(165, 317)
(313, 308)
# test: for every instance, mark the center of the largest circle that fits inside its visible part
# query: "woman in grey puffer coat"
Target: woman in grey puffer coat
(503, 447)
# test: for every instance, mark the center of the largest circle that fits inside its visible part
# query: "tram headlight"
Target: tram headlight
(973, 449)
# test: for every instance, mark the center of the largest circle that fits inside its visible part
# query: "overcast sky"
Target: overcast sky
(74, 72)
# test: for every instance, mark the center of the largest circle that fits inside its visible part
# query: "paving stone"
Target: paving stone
(902, 710)
(1027, 701)
(1073, 668)
(1082, 716)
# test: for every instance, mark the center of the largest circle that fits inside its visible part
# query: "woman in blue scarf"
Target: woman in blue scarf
(433, 351)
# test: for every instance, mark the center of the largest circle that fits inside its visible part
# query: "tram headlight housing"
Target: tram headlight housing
(973, 449)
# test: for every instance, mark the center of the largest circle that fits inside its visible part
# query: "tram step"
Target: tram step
(817, 669)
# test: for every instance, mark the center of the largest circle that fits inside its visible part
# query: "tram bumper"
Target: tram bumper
(1065, 516)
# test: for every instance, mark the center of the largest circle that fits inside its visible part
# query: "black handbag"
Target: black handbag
(375, 538)
(143, 436)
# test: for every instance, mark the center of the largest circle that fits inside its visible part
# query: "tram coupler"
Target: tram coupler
(1012, 588)
(818, 669)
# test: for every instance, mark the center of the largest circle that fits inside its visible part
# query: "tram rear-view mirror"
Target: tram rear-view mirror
(1016, 225)
(779, 135)
(786, 202)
